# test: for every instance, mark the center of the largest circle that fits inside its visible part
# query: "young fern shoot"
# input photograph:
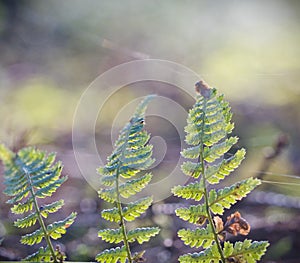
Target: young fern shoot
(208, 126)
(131, 154)
(31, 175)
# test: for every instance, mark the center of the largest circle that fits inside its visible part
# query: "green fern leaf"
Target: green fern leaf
(218, 150)
(228, 196)
(27, 221)
(191, 152)
(43, 254)
(219, 172)
(57, 229)
(137, 208)
(193, 191)
(191, 169)
(50, 189)
(22, 208)
(198, 237)
(134, 186)
(142, 234)
(210, 255)
(112, 255)
(107, 180)
(108, 195)
(131, 212)
(246, 251)
(35, 237)
(195, 214)
(111, 235)
(51, 208)
(126, 190)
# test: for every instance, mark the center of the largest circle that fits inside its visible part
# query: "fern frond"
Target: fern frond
(198, 237)
(207, 135)
(131, 155)
(112, 255)
(246, 251)
(31, 175)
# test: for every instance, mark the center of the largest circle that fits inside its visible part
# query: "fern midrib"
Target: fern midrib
(22, 166)
(201, 159)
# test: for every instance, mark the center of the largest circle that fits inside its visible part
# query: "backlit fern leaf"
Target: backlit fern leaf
(191, 191)
(241, 252)
(209, 255)
(208, 128)
(121, 179)
(246, 251)
(197, 237)
(224, 198)
(31, 175)
(130, 212)
(142, 234)
(43, 254)
(112, 255)
(195, 214)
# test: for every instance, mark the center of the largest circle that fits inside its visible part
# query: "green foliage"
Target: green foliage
(208, 126)
(242, 252)
(121, 179)
(31, 175)
(113, 255)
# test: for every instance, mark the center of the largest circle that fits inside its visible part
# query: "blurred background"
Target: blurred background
(50, 51)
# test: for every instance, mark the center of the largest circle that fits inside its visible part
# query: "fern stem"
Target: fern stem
(122, 222)
(209, 216)
(38, 212)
